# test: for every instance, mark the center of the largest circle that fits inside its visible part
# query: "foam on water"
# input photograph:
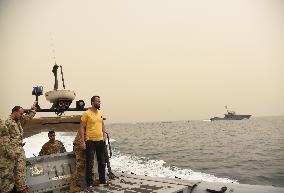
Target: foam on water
(157, 168)
(124, 162)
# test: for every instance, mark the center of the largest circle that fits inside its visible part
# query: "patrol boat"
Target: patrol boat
(231, 115)
(52, 174)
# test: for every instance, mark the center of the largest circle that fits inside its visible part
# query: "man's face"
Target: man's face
(97, 103)
(18, 114)
(51, 137)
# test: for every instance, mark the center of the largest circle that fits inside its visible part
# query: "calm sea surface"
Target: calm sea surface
(247, 151)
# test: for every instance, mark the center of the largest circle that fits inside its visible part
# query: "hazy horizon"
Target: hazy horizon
(148, 60)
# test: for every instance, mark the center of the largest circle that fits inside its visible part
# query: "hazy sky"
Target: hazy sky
(149, 60)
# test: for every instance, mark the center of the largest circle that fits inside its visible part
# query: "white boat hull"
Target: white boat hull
(55, 95)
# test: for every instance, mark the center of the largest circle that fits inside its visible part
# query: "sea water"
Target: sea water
(246, 151)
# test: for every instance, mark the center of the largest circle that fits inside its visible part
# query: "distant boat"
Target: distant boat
(231, 115)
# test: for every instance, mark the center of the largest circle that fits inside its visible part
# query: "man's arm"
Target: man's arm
(82, 134)
(62, 149)
(30, 114)
(104, 131)
(42, 151)
(6, 146)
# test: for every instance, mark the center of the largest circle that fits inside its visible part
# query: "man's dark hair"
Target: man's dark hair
(16, 108)
(51, 132)
(94, 97)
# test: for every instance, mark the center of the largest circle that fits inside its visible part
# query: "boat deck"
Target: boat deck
(52, 174)
(126, 183)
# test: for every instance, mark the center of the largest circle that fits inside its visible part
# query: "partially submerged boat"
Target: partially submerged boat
(231, 115)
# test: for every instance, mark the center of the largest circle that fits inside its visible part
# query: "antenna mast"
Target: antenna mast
(52, 48)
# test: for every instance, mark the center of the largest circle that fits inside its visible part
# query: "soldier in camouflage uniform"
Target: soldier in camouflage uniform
(7, 160)
(52, 146)
(80, 159)
(80, 164)
(14, 138)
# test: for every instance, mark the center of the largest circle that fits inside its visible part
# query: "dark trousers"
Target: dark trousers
(91, 148)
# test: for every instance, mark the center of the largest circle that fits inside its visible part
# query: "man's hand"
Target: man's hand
(104, 137)
(33, 107)
(13, 156)
(83, 145)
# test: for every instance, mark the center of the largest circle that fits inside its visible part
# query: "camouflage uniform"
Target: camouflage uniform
(6, 163)
(52, 148)
(15, 136)
(79, 162)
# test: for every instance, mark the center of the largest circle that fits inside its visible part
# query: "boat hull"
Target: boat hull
(231, 117)
(52, 174)
(55, 95)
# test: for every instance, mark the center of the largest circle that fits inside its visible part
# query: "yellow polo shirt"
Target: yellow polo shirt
(94, 125)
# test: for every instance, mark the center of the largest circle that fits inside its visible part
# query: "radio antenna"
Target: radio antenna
(52, 48)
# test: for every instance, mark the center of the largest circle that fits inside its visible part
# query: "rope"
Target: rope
(62, 77)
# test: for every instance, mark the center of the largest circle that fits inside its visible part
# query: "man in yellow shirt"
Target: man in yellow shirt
(93, 141)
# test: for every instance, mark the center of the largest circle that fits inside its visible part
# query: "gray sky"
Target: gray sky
(149, 60)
